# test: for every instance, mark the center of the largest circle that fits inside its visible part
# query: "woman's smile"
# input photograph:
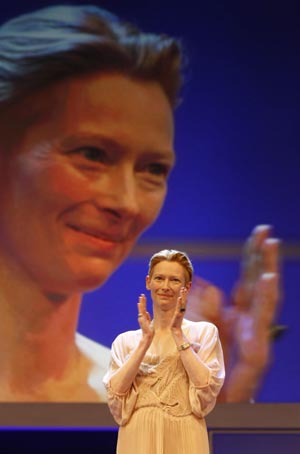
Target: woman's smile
(95, 241)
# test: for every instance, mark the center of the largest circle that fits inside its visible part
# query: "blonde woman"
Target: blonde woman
(165, 377)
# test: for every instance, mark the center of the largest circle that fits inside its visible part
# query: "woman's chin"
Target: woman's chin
(90, 282)
(75, 284)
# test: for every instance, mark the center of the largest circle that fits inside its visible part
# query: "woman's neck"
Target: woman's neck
(37, 331)
(162, 319)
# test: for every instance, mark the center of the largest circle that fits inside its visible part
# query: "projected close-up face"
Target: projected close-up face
(82, 176)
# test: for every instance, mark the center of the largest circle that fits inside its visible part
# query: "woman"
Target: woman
(165, 377)
(86, 126)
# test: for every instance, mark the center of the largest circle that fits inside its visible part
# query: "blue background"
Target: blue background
(237, 142)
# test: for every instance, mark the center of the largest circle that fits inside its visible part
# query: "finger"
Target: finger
(182, 300)
(266, 299)
(255, 240)
(252, 257)
(270, 252)
(183, 295)
(141, 305)
(180, 308)
(259, 234)
(260, 255)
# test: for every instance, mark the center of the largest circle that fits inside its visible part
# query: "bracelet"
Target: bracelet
(184, 346)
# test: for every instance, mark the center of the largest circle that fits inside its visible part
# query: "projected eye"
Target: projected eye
(158, 169)
(92, 154)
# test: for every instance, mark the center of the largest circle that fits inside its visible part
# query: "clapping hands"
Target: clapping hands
(144, 319)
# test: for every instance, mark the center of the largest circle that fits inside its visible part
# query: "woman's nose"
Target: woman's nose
(166, 284)
(117, 192)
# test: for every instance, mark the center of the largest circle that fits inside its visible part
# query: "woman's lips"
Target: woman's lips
(97, 233)
(96, 238)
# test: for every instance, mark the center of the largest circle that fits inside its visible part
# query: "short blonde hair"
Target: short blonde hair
(171, 255)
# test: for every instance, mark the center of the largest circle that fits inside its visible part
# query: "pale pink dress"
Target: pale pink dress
(163, 412)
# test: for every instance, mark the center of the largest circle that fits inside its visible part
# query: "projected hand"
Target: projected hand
(245, 319)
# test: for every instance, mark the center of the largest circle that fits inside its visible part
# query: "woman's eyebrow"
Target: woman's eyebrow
(100, 139)
(94, 139)
(171, 276)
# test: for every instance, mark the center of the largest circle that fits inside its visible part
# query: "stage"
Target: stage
(36, 428)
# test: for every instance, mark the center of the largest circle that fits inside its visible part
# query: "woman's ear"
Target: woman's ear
(147, 282)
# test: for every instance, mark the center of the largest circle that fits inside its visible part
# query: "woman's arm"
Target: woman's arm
(123, 378)
(204, 367)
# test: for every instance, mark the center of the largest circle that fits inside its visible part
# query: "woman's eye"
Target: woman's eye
(92, 154)
(158, 169)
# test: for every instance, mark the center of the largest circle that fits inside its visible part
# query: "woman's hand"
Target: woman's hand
(122, 380)
(144, 319)
(179, 312)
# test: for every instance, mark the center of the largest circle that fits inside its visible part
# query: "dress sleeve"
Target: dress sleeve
(121, 405)
(203, 398)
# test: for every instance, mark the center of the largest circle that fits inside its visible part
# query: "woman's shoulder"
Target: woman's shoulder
(95, 359)
(92, 350)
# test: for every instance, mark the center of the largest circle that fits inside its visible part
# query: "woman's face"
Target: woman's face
(165, 283)
(83, 173)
